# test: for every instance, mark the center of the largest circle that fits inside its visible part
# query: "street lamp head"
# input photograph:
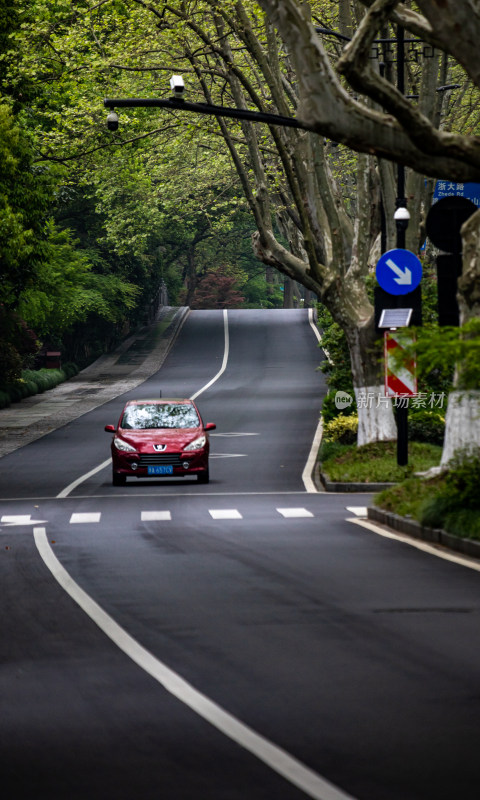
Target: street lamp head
(112, 121)
(177, 86)
(402, 218)
(401, 214)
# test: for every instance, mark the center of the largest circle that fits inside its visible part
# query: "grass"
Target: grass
(376, 462)
(408, 497)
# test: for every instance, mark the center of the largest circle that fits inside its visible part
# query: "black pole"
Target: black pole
(401, 202)
(175, 104)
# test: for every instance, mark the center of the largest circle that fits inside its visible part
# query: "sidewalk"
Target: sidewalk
(130, 364)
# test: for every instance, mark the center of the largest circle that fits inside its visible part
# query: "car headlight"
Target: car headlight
(197, 444)
(123, 446)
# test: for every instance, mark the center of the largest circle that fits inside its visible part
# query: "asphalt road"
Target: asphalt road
(241, 639)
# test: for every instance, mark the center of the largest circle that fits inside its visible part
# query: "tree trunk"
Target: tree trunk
(462, 421)
(376, 422)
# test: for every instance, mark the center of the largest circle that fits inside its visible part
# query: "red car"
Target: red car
(160, 437)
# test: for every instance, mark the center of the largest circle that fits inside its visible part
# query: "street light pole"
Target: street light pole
(401, 221)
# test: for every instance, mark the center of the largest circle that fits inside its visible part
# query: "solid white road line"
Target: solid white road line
(154, 516)
(226, 351)
(311, 461)
(82, 518)
(433, 550)
(270, 754)
(225, 513)
(312, 457)
(294, 513)
(71, 486)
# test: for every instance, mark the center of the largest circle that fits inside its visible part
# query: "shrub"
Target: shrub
(330, 410)
(426, 426)
(456, 506)
(463, 478)
(342, 429)
(70, 369)
(4, 399)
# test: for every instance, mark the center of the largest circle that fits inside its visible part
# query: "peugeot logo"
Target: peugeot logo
(159, 447)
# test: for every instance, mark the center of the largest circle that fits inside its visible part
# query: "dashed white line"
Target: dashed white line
(359, 511)
(20, 519)
(85, 518)
(281, 762)
(156, 516)
(293, 513)
(225, 513)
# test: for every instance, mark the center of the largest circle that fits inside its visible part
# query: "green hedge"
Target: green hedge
(35, 382)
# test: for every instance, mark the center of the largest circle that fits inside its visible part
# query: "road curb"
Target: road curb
(411, 527)
(338, 486)
(95, 383)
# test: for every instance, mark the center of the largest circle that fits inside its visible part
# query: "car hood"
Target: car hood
(174, 438)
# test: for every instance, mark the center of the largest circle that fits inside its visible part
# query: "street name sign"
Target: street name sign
(399, 271)
(469, 190)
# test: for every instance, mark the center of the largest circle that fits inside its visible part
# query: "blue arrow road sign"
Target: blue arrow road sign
(399, 271)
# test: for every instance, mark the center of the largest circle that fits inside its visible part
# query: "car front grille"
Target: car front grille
(152, 459)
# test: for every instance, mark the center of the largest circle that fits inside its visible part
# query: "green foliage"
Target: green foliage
(407, 497)
(4, 399)
(441, 349)
(336, 367)
(377, 462)
(34, 382)
(426, 426)
(450, 501)
(342, 429)
(22, 212)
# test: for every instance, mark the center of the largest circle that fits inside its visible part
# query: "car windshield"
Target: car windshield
(159, 415)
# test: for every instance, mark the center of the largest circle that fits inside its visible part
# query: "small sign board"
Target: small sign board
(399, 271)
(395, 318)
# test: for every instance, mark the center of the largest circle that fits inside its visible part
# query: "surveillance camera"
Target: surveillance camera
(112, 121)
(402, 214)
(177, 86)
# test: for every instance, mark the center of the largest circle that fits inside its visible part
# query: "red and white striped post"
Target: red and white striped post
(400, 377)
(400, 381)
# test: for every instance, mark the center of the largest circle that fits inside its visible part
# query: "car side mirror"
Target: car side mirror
(110, 428)
(210, 426)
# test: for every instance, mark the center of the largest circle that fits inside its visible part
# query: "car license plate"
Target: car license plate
(163, 470)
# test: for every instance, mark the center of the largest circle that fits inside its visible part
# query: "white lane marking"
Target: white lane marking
(433, 550)
(317, 334)
(68, 489)
(225, 513)
(270, 754)
(359, 511)
(225, 358)
(312, 459)
(292, 513)
(313, 326)
(71, 486)
(228, 455)
(156, 516)
(234, 434)
(81, 518)
(20, 519)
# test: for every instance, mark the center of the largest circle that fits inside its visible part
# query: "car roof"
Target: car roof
(161, 401)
